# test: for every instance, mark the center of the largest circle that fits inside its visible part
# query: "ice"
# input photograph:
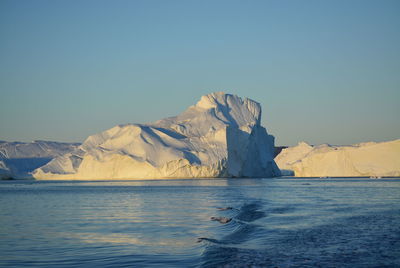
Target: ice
(220, 136)
(376, 159)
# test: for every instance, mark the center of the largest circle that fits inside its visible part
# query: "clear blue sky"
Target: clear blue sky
(324, 71)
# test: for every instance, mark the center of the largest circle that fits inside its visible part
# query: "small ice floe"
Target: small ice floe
(221, 219)
(226, 208)
(376, 177)
(201, 239)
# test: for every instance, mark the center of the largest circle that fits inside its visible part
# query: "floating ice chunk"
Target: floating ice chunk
(220, 136)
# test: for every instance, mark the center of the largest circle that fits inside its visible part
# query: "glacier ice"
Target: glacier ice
(220, 136)
(19, 159)
(376, 159)
(5, 172)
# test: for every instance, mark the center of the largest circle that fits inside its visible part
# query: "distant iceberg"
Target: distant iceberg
(19, 159)
(371, 159)
(220, 136)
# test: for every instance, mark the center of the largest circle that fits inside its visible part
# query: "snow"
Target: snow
(220, 136)
(376, 159)
(287, 157)
(5, 172)
(19, 159)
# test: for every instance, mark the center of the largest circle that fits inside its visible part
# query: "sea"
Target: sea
(271, 222)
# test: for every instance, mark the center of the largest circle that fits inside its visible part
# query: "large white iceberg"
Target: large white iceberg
(376, 159)
(19, 159)
(220, 136)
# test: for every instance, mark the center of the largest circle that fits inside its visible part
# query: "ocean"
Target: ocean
(271, 222)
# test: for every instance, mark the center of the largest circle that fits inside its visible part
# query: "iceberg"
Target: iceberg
(370, 159)
(19, 159)
(5, 172)
(220, 136)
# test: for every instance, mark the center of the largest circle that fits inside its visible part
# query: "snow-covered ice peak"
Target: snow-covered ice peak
(213, 112)
(219, 136)
(232, 108)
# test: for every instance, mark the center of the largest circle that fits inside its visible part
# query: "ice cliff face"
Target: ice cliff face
(5, 172)
(19, 159)
(359, 160)
(220, 136)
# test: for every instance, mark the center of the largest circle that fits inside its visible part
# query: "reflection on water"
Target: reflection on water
(275, 222)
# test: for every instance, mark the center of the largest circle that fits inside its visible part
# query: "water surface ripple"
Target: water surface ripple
(283, 222)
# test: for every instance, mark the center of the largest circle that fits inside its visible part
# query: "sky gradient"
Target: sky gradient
(324, 71)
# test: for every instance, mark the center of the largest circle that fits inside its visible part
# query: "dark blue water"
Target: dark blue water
(275, 223)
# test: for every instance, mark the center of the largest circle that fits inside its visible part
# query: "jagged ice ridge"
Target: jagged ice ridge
(220, 136)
